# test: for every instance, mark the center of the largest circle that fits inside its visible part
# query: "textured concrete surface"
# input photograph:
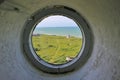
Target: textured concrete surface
(1, 1)
(103, 17)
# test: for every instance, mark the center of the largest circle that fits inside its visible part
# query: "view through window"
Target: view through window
(57, 39)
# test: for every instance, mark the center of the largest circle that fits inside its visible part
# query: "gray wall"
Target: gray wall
(103, 17)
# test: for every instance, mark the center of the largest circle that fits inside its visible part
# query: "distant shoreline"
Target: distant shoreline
(59, 31)
(67, 36)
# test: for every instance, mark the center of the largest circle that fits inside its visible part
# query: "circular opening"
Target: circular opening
(57, 39)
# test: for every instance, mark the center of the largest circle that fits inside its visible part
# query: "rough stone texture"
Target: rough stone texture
(103, 17)
(1, 1)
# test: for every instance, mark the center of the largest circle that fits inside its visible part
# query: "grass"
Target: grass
(54, 49)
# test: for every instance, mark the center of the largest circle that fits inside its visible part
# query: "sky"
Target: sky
(57, 21)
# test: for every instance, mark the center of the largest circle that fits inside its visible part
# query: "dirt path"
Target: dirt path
(56, 52)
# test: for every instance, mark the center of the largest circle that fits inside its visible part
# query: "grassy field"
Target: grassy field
(54, 49)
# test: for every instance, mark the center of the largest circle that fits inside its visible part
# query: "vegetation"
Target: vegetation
(54, 49)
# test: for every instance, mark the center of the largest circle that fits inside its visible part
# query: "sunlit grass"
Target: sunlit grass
(54, 49)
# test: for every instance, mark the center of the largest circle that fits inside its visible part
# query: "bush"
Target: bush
(36, 49)
(50, 46)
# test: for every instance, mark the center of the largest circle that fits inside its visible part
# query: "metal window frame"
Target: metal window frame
(76, 63)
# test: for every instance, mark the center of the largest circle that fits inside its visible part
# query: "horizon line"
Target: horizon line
(56, 26)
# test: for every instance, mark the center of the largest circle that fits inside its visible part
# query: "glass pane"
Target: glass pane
(57, 39)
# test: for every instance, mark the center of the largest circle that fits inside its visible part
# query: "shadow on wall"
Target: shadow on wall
(1, 1)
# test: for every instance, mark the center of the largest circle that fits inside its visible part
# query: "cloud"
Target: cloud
(57, 21)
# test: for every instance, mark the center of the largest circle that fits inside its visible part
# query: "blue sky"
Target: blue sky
(57, 21)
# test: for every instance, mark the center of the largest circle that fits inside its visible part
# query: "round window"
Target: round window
(57, 40)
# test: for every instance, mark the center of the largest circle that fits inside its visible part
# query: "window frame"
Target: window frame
(76, 63)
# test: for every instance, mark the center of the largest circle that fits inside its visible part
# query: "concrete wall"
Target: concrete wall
(103, 17)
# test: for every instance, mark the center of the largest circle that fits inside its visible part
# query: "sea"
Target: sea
(60, 31)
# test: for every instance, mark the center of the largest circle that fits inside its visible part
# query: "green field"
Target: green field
(54, 49)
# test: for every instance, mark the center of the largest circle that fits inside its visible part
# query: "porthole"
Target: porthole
(57, 40)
